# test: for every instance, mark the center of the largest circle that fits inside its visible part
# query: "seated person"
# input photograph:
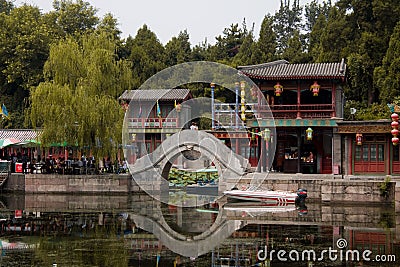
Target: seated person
(310, 157)
(32, 166)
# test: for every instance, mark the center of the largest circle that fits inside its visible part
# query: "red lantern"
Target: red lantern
(395, 132)
(395, 124)
(395, 141)
(359, 139)
(278, 89)
(315, 88)
(394, 116)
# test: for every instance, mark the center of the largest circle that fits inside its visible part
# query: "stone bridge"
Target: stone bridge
(151, 171)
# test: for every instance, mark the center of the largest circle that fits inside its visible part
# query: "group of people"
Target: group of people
(60, 165)
(81, 165)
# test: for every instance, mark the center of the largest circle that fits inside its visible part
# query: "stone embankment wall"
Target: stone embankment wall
(326, 190)
(332, 190)
(53, 183)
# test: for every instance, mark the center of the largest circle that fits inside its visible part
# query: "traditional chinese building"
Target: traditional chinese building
(367, 148)
(306, 101)
(150, 120)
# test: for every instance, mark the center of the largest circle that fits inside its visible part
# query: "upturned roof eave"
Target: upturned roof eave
(294, 77)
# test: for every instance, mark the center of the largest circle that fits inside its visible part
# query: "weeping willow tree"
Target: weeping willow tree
(77, 103)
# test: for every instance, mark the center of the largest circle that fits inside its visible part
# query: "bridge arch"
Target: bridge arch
(151, 171)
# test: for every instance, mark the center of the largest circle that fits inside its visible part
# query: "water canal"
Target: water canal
(136, 230)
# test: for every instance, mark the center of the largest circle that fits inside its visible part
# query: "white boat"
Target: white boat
(268, 196)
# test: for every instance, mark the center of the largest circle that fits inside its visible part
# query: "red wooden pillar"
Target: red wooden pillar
(334, 99)
(298, 100)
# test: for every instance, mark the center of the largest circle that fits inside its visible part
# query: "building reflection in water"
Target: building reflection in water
(136, 230)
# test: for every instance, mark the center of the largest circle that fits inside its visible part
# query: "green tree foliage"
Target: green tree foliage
(245, 55)
(25, 36)
(334, 39)
(387, 76)
(6, 6)
(358, 31)
(75, 17)
(178, 50)
(295, 50)
(364, 111)
(316, 17)
(199, 51)
(363, 41)
(83, 80)
(286, 21)
(314, 41)
(313, 11)
(265, 48)
(146, 54)
(227, 45)
(109, 24)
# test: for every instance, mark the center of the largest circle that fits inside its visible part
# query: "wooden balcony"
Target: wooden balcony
(153, 123)
(314, 111)
(319, 111)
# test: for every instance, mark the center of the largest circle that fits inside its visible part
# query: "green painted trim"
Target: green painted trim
(154, 130)
(294, 123)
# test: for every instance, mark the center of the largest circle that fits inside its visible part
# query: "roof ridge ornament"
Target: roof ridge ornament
(342, 66)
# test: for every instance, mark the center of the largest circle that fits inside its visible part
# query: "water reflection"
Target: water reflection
(136, 230)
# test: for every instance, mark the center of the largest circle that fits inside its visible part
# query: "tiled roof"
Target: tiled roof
(20, 134)
(156, 94)
(282, 70)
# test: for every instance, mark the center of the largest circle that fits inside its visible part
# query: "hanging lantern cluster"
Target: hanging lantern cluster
(278, 89)
(314, 88)
(243, 99)
(309, 134)
(359, 139)
(395, 128)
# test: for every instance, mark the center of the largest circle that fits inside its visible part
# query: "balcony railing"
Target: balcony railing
(153, 123)
(304, 111)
